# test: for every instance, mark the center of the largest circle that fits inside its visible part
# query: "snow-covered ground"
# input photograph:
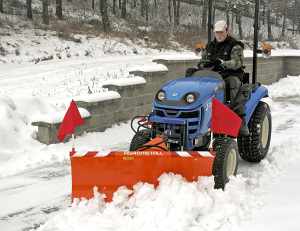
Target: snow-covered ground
(35, 178)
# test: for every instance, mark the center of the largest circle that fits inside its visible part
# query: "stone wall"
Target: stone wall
(136, 99)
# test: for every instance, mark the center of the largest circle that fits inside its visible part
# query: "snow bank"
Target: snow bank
(16, 117)
(57, 117)
(151, 67)
(286, 87)
(178, 57)
(97, 97)
(174, 205)
(125, 81)
(276, 53)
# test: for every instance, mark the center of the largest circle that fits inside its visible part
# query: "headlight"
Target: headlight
(190, 98)
(161, 95)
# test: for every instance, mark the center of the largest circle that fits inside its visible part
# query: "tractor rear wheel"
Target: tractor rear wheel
(255, 147)
(140, 138)
(226, 161)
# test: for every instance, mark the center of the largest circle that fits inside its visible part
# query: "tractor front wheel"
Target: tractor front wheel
(140, 138)
(226, 161)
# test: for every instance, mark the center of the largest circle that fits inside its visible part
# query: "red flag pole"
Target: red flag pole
(211, 140)
(73, 143)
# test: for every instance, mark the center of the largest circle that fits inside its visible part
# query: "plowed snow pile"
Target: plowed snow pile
(179, 205)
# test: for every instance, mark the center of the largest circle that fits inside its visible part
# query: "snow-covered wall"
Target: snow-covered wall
(125, 100)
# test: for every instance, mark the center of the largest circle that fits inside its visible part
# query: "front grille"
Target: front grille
(171, 112)
(191, 114)
(177, 114)
(159, 113)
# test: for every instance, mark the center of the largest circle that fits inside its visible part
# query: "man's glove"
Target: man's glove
(190, 71)
(219, 63)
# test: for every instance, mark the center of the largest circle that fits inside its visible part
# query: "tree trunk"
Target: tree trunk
(239, 22)
(93, 4)
(120, 4)
(147, 11)
(232, 22)
(177, 21)
(45, 12)
(284, 18)
(143, 8)
(294, 16)
(269, 23)
(105, 17)
(227, 14)
(29, 8)
(1, 6)
(114, 7)
(176, 8)
(58, 13)
(174, 11)
(124, 9)
(204, 15)
(170, 11)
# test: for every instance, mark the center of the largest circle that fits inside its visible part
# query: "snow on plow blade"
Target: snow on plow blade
(109, 171)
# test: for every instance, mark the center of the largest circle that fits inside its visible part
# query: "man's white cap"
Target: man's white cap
(220, 26)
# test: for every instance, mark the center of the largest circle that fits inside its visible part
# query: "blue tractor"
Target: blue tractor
(182, 115)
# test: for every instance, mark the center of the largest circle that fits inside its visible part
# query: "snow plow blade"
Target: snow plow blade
(109, 171)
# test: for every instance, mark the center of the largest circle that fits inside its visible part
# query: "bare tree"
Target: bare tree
(170, 11)
(105, 17)
(204, 15)
(176, 12)
(59, 9)
(29, 8)
(114, 7)
(269, 23)
(147, 10)
(93, 4)
(1, 6)
(45, 12)
(239, 22)
(284, 8)
(124, 9)
(143, 3)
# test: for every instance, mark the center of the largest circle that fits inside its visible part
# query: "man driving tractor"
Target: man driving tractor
(225, 55)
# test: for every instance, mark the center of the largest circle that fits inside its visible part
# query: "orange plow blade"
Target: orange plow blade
(109, 171)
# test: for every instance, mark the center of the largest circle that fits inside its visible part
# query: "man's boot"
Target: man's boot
(244, 130)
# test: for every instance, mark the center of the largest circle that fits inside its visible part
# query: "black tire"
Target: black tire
(226, 161)
(140, 138)
(255, 147)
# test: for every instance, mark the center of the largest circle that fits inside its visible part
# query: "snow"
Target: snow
(58, 117)
(34, 176)
(174, 205)
(27, 45)
(153, 67)
(276, 53)
(98, 97)
(121, 82)
(178, 57)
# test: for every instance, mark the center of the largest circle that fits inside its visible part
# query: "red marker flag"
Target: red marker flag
(71, 120)
(224, 120)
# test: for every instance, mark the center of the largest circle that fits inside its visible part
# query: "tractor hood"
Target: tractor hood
(177, 90)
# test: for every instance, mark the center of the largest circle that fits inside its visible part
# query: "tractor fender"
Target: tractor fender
(256, 95)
